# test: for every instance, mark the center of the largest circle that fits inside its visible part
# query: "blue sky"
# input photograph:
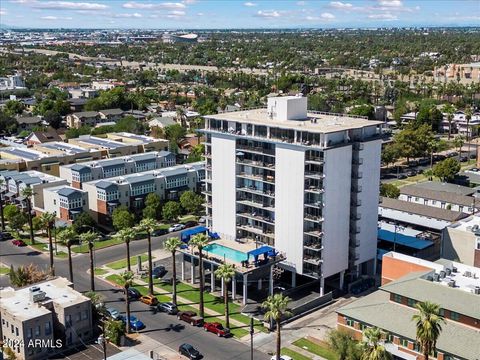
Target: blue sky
(201, 14)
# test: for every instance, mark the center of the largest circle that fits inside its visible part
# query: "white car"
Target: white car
(282, 357)
(176, 227)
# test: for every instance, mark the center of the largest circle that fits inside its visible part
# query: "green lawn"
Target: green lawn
(120, 264)
(99, 271)
(293, 354)
(98, 245)
(4, 270)
(316, 349)
(184, 219)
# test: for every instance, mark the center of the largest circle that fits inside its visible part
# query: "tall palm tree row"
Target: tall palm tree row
(372, 347)
(429, 326)
(48, 219)
(172, 244)
(28, 193)
(148, 225)
(89, 238)
(200, 241)
(127, 281)
(277, 309)
(225, 272)
(126, 235)
(2, 218)
(67, 237)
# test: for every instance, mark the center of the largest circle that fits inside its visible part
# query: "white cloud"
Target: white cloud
(390, 3)
(301, 3)
(166, 5)
(340, 5)
(176, 13)
(3, 12)
(384, 16)
(200, 14)
(54, 18)
(128, 15)
(69, 5)
(249, 4)
(328, 16)
(189, 2)
(268, 14)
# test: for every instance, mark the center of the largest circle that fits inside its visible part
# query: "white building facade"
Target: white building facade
(305, 183)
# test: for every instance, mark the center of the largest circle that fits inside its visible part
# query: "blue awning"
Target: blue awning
(380, 253)
(262, 250)
(186, 234)
(405, 240)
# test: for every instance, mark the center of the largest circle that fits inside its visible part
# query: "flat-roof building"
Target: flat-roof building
(461, 241)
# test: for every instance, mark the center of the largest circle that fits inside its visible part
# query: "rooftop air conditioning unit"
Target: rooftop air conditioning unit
(451, 283)
(36, 294)
(436, 277)
(442, 274)
(448, 271)
(477, 290)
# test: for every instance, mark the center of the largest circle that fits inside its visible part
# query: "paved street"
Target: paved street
(161, 327)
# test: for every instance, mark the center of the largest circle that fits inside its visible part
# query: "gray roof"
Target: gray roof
(77, 101)
(67, 191)
(165, 153)
(111, 111)
(442, 186)
(377, 310)
(144, 156)
(448, 197)
(79, 168)
(31, 180)
(85, 114)
(113, 162)
(166, 120)
(140, 178)
(28, 120)
(104, 184)
(423, 210)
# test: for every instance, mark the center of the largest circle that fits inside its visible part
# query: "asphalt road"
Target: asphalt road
(162, 327)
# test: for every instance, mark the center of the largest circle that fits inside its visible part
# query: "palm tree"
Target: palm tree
(459, 141)
(372, 349)
(468, 117)
(126, 235)
(172, 244)
(200, 241)
(28, 193)
(66, 237)
(49, 220)
(2, 183)
(149, 225)
(449, 109)
(90, 237)
(277, 306)
(225, 272)
(429, 326)
(127, 280)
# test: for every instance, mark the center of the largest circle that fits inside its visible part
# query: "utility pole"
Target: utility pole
(251, 337)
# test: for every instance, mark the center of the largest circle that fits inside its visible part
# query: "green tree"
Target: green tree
(389, 190)
(149, 226)
(83, 223)
(17, 221)
(2, 215)
(153, 206)
(171, 211)
(446, 169)
(225, 272)
(89, 238)
(390, 154)
(175, 132)
(372, 348)
(200, 241)
(114, 330)
(26, 275)
(191, 202)
(364, 110)
(173, 244)
(196, 154)
(458, 142)
(449, 109)
(126, 235)
(49, 220)
(28, 194)
(53, 118)
(126, 279)
(277, 309)
(13, 107)
(343, 344)
(67, 237)
(122, 218)
(428, 323)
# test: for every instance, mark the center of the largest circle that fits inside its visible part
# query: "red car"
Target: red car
(216, 328)
(190, 317)
(19, 243)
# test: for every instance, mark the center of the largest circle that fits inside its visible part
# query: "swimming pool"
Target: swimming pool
(226, 252)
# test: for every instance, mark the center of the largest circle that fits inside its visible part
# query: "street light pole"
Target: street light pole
(251, 337)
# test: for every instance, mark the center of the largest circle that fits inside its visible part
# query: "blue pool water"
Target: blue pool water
(226, 252)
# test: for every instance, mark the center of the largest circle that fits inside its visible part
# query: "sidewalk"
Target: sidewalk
(146, 345)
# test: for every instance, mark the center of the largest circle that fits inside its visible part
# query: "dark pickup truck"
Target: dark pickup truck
(190, 317)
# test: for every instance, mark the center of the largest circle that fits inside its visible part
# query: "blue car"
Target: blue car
(135, 324)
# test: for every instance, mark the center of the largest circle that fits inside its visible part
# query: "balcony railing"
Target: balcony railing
(312, 259)
(268, 179)
(253, 190)
(259, 164)
(315, 233)
(313, 218)
(256, 230)
(314, 175)
(254, 216)
(260, 205)
(256, 150)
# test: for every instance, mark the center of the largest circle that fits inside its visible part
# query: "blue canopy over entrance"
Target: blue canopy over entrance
(265, 250)
(405, 240)
(186, 234)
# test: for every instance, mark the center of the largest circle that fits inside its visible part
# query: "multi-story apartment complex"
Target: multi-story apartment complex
(305, 182)
(461, 241)
(76, 174)
(104, 196)
(406, 281)
(39, 320)
(65, 202)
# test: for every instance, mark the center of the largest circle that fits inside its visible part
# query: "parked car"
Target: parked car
(216, 328)
(474, 169)
(411, 173)
(176, 227)
(402, 176)
(202, 220)
(424, 161)
(189, 351)
(159, 272)
(135, 324)
(5, 236)
(168, 307)
(190, 317)
(452, 154)
(149, 300)
(473, 156)
(282, 357)
(18, 242)
(278, 289)
(133, 294)
(160, 232)
(190, 224)
(464, 159)
(113, 313)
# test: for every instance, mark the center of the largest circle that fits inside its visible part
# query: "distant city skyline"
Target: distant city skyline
(208, 14)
